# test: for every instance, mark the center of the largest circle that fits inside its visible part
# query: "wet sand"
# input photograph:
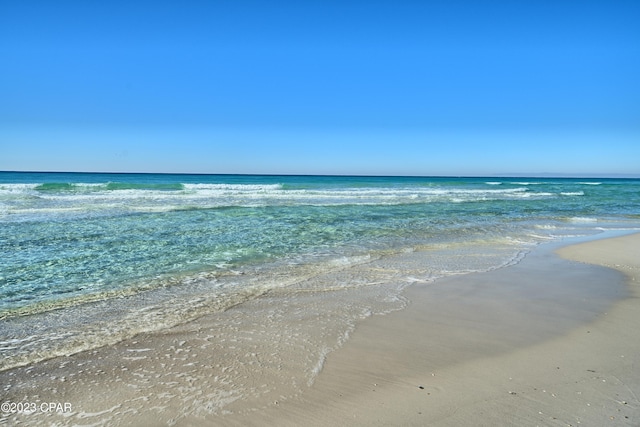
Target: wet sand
(547, 341)
(539, 343)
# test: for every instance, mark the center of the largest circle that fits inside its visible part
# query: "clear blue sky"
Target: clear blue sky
(337, 87)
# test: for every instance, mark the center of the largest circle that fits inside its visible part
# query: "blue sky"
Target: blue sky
(335, 87)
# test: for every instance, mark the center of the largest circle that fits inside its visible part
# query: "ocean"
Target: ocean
(91, 259)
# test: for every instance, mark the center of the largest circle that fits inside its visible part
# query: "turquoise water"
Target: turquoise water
(80, 247)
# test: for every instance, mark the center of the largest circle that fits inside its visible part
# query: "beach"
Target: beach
(545, 341)
(463, 358)
(319, 214)
(223, 213)
(472, 369)
(153, 299)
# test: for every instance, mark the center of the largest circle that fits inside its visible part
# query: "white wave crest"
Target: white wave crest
(234, 187)
(580, 219)
(26, 201)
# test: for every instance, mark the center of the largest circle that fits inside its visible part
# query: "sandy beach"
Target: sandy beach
(555, 353)
(547, 341)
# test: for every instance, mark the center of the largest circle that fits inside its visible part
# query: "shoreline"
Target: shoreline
(388, 374)
(465, 347)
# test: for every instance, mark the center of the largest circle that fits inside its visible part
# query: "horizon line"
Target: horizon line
(495, 175)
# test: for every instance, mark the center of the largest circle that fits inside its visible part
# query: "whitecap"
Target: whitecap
(582, 219)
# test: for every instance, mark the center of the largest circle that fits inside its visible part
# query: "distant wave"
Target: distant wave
(110, 186)
(146, 186)
(66, 187)
(114, 189)
(64, 200)
(56, 186)
(234, 187)
(580, 219)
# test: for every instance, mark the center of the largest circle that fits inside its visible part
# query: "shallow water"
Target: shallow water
(93, 259)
